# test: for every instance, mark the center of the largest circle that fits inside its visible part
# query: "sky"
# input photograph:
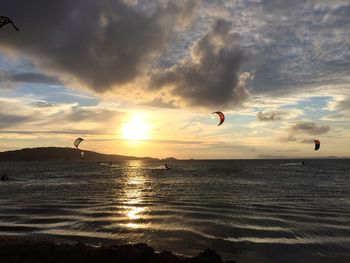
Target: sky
(142, 78)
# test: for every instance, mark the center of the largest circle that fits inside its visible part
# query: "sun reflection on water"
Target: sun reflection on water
(132, 198)
(134, 213)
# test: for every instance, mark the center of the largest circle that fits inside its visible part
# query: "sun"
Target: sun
(136, 129)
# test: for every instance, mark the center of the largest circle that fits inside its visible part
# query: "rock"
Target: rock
(208, 256)
(17, 250)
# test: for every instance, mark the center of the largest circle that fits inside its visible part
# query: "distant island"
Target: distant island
(63, 154)
(263, 156)
(73, 154)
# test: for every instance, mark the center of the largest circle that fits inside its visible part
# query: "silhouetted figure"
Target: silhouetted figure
(303, 163)
(110, 163)
(4, 177)
(167, 167)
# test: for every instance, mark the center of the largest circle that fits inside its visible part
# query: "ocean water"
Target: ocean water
(247, 210)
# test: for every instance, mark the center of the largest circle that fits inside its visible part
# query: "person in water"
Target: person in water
(167, 167)
(4, 177)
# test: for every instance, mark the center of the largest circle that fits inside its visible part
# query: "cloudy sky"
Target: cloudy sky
(143, 77)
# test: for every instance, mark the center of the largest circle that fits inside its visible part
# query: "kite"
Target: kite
(5, 20)
(221, 115)
(317, 145)
(78, 141)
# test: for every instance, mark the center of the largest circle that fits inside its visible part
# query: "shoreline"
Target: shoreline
(33, 249)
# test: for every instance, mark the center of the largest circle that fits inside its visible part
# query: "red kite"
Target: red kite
(221, 115)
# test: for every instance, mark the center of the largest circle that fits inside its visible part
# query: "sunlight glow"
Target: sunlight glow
(136, 129)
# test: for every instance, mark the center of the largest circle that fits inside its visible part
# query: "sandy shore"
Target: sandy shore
(30, 250)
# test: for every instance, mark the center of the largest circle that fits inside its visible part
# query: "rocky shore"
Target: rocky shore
(26, 250)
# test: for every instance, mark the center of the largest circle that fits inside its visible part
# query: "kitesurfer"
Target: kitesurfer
(76, 144)
(4, 177)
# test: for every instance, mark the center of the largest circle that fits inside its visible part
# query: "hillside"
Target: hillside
(62, 154)
(305, 157)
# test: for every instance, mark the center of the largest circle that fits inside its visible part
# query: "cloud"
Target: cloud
(299, 44)
(211, 76)
(277, 115)
(309, 128)
(343, 105)
(307, 141)
(100, 44)
(61, 132)
(288, 151)
(13, 113)
(340, 110)
(303, 128)
(42, 104)
(271, 115)
(117, 45)
(93, 114)
(282, 5)
(289, 138)
(160, 103)
(8, 79)
(25, 114)
(8, 120)
(30, 77)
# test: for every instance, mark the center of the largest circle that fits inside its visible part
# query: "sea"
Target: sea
(246, 210)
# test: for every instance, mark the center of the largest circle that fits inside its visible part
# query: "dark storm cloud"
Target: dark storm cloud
(211, 77)
(99, 43)
(309, 128)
